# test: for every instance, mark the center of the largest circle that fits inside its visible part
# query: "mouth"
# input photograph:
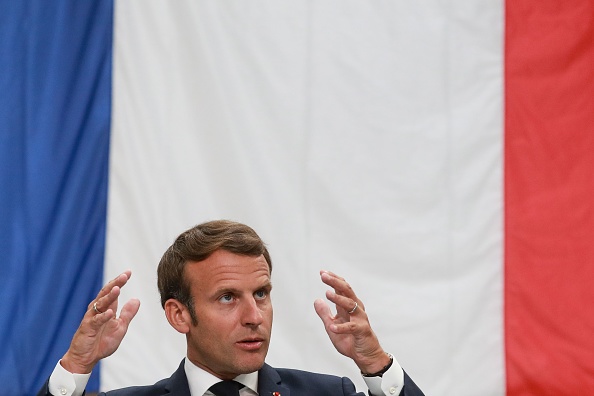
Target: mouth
(250, 344)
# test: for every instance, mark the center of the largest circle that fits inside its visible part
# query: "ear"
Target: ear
(178, 315)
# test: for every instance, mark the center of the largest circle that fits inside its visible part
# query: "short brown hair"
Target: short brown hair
(197, 244)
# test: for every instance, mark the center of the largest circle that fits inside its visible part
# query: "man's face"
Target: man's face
(232, 299)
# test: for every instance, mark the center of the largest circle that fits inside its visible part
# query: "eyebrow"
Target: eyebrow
(224, 290)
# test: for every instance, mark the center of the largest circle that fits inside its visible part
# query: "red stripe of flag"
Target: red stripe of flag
(549, 197)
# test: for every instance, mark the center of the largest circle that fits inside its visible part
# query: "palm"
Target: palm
(110, 337)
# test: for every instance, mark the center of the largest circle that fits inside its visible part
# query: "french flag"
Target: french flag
(438, 155)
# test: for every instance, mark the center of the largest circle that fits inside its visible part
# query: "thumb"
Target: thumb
(129, 310)
(323, 311)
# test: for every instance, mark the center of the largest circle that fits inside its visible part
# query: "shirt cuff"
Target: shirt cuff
(389, 384)
(64, 383)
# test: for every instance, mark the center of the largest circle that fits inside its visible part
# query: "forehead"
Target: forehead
(225, 268)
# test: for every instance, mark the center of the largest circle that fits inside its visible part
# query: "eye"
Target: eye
(226, 298)
(261, 294)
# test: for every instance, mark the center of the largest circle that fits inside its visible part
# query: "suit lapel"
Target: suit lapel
(177, 385)
(269, 383)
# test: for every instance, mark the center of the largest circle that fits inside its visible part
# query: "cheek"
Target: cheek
(215, 321)
(214, 330)
(268, 314)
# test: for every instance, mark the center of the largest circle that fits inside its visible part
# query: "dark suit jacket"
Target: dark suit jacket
(287, 382)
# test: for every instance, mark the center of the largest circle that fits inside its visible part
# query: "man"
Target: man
(215, 288)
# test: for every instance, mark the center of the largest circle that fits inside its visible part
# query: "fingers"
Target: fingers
(338, 284)
(348, 305)
(118, 281)
(108, 295)
(343, 296)
(128, 312)
(105, 304)
(331, 323)
(335, 281)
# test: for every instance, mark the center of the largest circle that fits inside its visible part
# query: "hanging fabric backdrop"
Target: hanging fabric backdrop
(437, 155)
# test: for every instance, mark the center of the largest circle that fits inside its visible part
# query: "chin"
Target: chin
(251, 365)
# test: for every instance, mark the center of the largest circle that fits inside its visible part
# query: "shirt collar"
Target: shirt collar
(200, 380)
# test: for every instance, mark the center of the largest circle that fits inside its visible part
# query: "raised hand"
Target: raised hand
(100, 332)
(349, 330)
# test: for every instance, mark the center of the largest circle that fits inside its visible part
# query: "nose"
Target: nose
(252, 314)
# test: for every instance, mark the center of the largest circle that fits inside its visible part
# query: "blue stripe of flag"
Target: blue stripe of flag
(55, 104)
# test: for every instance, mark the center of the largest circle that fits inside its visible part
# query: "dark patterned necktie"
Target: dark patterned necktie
(226, 388)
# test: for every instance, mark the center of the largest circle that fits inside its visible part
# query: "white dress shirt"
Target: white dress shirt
(199, 381)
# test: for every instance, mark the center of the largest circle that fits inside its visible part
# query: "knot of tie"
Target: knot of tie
(226, 388)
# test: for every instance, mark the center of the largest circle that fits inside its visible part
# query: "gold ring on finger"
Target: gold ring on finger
(99, 312)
